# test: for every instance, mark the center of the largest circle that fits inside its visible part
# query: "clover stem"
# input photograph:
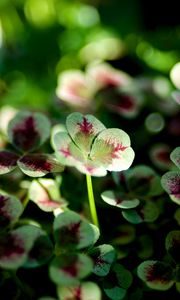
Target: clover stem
(92, 204)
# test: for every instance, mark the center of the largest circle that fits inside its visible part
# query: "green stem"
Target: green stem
(26, 200)
(91, 201)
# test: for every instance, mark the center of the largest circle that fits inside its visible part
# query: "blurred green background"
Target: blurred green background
(41, 38)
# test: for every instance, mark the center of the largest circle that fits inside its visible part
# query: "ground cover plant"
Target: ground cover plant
(89, 154)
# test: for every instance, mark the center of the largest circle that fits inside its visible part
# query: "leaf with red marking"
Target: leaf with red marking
(71, 231)
(10, 210)
(69, 269)
(103, 256)
(157, 275)
(126, 234)
(27, 131)
(119, 200)
(171, 183)
(83, 130)
(91, 168)
(145, 212)
(45, 193)
(173, 244)
(160, 156)
(111, 149)
(143, 180)
(37, 165)
(84, 291)
(175, 156)
(66, 151)
(15, 246)
(8, 161)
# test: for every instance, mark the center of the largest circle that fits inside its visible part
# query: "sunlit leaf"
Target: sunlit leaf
(83, 130)
(71, 231)
(175, 156)
(84, 291)
(156, 274)
(45, 193)
(91, 168)
(10, 210)
(8, 161)
(112, 150)
(173, 244)
(147, 212)
(27, 131)
(171, 183)
(61, 143)
(70, 268)
(103, 257)
(119, 200)
(37, 165)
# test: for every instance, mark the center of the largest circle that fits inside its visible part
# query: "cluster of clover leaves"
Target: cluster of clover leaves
(70, 249)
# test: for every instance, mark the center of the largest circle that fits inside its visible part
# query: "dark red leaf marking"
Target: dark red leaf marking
(125, 102)
(100, 261)
(71, 270)
(174, 185)
(10, 246)
(163, 155)
(77, 293)
(65, 152)
(8, 159)
(90, 169)
(37, 163)
(69, 235)
(4, 216)
(157, 272)
(118, 200)
(25, 135)
(85, 126)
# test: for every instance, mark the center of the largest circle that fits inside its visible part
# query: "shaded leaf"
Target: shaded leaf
(103, 257)
(126, 234)
(70, 268)
(173, 244)
(123, 276)
(10, 210)
(71, 231)
(112, 150)
(83, 130)
(160, 156)
(37, 165)
(8, 161)
(148, 212)
(142, 180)
(27, 131)
(15, 246)
(145, 247)
(118, 200)
(84, 291)
(156, 274)
(171, 183)
(114, 292)
(175, 156)
(45, 193)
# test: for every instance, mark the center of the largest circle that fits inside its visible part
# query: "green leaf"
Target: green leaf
(27, 131)
(147, 212)
(10, 210)
(8, 161)
(45, 193)
(119, 200)
(160, 156)
(123, 276)
(173, 244)
(142, 180)
(69, 268)
(84, 291)
(126, 234)
(71, 231)
(38, 165)
(175, 156)
(145, 247)
(111, 149)
(103, 257)
(157, 275)
(114, 293)
(171, 183)
(15, 246)
(83, 130)
(66, 151)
